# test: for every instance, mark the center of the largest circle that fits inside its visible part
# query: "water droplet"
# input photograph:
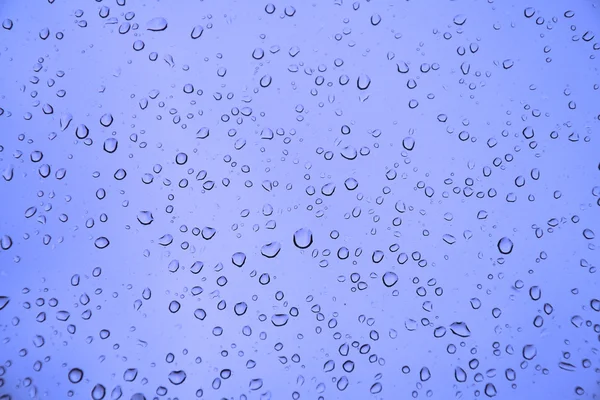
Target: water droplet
(449, 239)
(238, 259)
(177, 377)
(197, 31)
(363, 82)
(165, 240)
(145, 217)
(258, 53)
(529, 12)
(7, 24)
(507, 64)
(75, 375)
(390, 279)
(181, 158)
(328, 189)
(424, 374)
(460, 19)
(270, 250)
(256, 384)
(376, 388)
(460, 375)
(200, 314)
(111, 145)
(4, 300)
(82, 131)
(529, 352)
(303, 238)
(106, 120)
(65, 120)
(101, 242)
(375, 19)
(505, 245)
(130, 374)
(98, 392)
(138, 45)
(5, 242)
(279, 319)
(156, 24)
(460, 329)
(203, 133)
(490, 390)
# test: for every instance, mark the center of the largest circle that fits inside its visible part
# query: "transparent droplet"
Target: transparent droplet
(197, 31)
(505, 245)
(390, 279)
(7, 24)
(270, 250)
(270, 8)
(82, 131)
(111, 145)
(130, 374)
(256, 384)
(529, 352)
(363, 82)
(177, 377)
(145, 217)
(6, 242)
(156, 24)
(138, 45)
(101, 242)
(303, 238)
(106, 120)
(4, 300)
(460, 329)
(75, 375)
(279, 319)
(460, 19)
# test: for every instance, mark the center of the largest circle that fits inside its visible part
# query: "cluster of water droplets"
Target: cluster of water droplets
(332, 200)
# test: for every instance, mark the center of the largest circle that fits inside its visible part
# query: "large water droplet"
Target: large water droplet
(363, 82)
(106, 120)
(270, 250)
(111, 145)
(529, 351)
(156, 24)
(4, 300)
(5, 242)
(303, 238)
(390, 279)
(75, 375)
(145, 217)
(460, 329)
(505, 245)
(177, 377)
(130, 374)
(101, 242)
(197, 31)
(279, 319)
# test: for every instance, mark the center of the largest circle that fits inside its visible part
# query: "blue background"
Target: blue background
(467, 126)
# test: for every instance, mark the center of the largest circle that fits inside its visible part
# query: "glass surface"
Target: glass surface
(314, 200)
